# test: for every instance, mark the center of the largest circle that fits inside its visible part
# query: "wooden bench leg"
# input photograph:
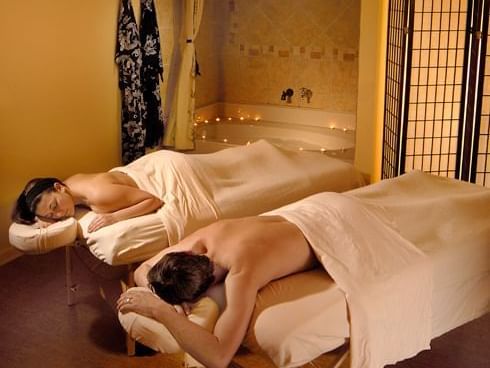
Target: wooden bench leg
(130, 342)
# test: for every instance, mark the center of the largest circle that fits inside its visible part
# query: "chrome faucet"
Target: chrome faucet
(287, 94)
(306, 93)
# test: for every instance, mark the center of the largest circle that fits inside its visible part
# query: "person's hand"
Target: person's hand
(141, 302)
(101, 220)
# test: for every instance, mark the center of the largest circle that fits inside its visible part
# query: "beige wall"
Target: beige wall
(370, 102)
(59, 100)
(263, 47)
(209, 45)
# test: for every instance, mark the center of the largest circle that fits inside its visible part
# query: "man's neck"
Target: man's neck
(219, 273)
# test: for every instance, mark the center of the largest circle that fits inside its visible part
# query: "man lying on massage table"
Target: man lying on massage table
(248, 253)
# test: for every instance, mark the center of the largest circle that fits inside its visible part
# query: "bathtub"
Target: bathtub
(225, 125)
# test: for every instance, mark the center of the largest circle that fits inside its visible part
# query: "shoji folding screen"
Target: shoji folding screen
(437, 103)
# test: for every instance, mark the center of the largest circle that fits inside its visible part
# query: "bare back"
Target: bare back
(111, 177)
(264, 248)
(255, 251)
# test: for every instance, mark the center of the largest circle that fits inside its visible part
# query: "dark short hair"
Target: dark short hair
(181, 277)
(24, 211)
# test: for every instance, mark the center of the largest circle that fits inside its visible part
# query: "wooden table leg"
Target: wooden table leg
(68, 277)
(130, 342)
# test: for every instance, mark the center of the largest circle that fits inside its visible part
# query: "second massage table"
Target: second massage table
(302, 316)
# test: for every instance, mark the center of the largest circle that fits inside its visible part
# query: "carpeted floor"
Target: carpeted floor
(38, 329)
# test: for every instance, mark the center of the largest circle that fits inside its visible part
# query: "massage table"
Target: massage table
(300, 317)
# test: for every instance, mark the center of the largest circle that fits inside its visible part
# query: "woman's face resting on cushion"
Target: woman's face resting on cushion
(45, 199)
(114, 196)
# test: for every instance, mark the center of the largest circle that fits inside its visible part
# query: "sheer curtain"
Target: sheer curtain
(180, 122)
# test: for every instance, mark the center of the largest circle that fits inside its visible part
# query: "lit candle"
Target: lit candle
(229, 118)
(206, 121)
(218, 119)
(242, 118)
(225, 140)
(203, 137)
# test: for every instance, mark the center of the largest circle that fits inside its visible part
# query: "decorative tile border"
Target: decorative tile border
(347, 55)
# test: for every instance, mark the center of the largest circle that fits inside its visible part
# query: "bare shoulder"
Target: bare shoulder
(82, 184)
(79, 178)
(114, 177)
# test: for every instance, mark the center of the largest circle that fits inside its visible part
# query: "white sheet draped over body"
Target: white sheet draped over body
(243, 181)
(387, 281)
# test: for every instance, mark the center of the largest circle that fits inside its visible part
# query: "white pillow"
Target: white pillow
(128, 241)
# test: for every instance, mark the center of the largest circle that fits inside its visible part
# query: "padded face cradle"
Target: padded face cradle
(154, 335)
(34, 240)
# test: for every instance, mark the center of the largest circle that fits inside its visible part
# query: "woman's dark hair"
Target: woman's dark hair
(24, 211)
(181, 277)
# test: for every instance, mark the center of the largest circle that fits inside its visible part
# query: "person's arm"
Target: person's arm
(116, 202)
(214, 350)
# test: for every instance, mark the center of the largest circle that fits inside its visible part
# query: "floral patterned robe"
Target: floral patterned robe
(140, 67)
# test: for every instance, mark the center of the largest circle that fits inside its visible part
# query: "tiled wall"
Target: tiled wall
(250, 51)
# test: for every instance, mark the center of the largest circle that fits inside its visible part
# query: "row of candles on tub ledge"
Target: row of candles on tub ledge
(218, 119)
(256, 120)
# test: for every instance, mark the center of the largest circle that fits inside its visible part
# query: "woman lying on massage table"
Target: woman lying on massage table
(114, 196)
(166, 195)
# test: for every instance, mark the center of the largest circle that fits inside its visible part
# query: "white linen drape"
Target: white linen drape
(179, 131)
